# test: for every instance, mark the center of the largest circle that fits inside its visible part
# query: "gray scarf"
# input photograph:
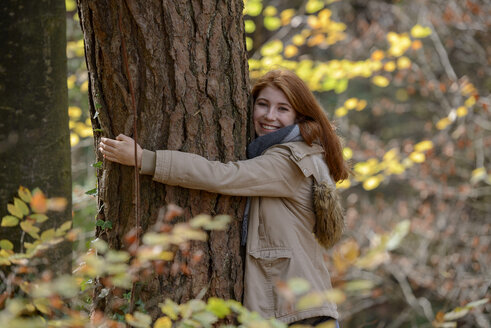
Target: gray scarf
(256, 148)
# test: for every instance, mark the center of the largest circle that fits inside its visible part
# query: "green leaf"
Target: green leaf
(30, 229)
(92, 192)
(48, 235)
(398, 234)
(65, 226)
(6, 244)
(253, 8)
(272, 23)
(98, 106)
(107, 225)
(9, 221)
(99, 223)
(218, 307)
(97, 165)
(98, 130)
(341, 86)
(40, 218)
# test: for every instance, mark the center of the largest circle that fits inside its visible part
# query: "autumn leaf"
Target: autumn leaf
(24, 194)
(38, 202)
(6, 244)
(163, 322)
(9, 221)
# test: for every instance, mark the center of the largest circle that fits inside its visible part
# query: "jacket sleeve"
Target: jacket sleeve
(273, 174)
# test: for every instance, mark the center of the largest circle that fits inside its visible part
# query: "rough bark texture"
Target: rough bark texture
(188, 67)
(34, 134)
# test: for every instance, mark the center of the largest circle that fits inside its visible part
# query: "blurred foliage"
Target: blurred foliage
(407, 85)
(32, 296)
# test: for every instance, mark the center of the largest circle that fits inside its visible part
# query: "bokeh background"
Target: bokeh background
(407, 85)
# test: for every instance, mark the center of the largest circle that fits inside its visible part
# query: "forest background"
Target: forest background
(407, 85)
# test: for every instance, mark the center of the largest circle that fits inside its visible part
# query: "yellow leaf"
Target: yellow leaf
(47, 235)
(270, 11)
(249, 26)
(461, 111)
(18, 203)
(390, 66)
(403, 62)
(377, 55)
(40, 218)
(478, 174)
(249, 43)
(345, 184)
(313, 6)
(85, 86)
(361, 105)
(9, 221)
(70, 81)
(470, 102)
(286, 16)
(30, 229)
(423, 145)
(309, 301)
(42, 304)
(74, 139)
(313, 22)
(335, 295)
(290, 51)
(253, 8)
(163, 322)
(419, 31)
(298, 39)
(15, 211)
(272, 48)
(272, 23)
(351, 103)
(380, 81)
(340, 112)
(443, 123)
(372, 182)
(6, 244)
(74, 112)
(347, 153)
(417, 157)
(24, 194)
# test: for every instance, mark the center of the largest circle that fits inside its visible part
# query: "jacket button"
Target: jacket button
(305, 171)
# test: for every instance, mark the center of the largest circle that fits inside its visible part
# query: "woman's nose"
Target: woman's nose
(270, 114)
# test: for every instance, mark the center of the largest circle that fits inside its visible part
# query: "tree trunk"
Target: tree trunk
(34, 134)
(188, 68)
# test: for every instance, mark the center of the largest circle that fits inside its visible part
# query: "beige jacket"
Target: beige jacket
(280, 242)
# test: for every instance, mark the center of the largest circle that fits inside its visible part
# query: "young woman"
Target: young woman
(292, 213)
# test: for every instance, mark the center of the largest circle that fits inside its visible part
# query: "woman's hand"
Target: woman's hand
(121, 150)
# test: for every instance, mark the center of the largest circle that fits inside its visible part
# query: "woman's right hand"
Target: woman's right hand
(121, 150)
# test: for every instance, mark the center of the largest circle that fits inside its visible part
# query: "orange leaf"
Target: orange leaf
(38, 202)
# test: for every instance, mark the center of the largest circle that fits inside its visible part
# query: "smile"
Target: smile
(269, 127)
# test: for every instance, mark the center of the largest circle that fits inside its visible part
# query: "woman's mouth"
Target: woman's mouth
(268, 127)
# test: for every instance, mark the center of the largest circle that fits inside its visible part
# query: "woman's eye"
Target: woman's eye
(284, 109)
(261, 103)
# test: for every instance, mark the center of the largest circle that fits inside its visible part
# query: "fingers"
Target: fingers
(122, 137)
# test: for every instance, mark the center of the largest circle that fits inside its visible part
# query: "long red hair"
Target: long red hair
(311, 118)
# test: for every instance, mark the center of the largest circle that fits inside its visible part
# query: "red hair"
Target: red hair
(311, 118)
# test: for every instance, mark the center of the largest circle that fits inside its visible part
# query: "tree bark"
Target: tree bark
(188, 67)
(34, 134)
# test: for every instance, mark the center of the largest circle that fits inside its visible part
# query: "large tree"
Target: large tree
(34, 135)
(187, 66)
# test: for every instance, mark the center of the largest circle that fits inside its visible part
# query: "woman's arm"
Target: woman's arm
(272, 175)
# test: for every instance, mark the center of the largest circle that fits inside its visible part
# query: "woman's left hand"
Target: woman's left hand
(121, 150)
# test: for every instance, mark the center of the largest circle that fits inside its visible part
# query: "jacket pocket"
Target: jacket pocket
(274, 264)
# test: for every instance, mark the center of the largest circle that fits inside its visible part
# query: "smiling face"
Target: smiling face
(272, 111)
